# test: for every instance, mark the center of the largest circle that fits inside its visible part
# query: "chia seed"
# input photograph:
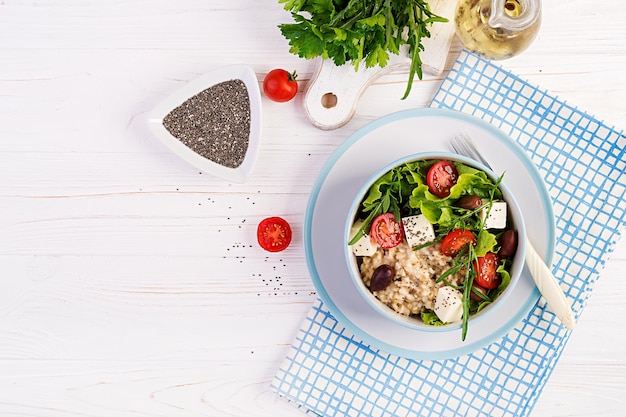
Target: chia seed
(214, 123)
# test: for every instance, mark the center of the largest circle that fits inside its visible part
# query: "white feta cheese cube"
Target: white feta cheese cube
(449, 304)
(418, 230)
(497, 215)
(365, 246)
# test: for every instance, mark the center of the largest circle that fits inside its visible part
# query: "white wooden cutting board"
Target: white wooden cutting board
(333, 92)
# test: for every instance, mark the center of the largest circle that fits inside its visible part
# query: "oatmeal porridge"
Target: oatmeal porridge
(414, 287)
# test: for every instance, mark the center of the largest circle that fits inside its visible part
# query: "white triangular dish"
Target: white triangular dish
(155, 121)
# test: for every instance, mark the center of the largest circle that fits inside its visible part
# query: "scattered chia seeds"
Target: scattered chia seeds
(214, 123)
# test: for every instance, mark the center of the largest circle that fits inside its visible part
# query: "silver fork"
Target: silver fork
(546, 282)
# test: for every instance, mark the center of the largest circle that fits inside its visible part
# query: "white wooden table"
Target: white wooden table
(131, 284)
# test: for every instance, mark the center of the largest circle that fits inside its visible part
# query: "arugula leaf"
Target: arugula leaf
(359, 31)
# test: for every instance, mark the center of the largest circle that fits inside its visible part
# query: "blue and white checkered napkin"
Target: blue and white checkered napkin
(329, 372)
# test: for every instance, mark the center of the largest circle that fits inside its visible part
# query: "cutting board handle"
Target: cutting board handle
(333, 92)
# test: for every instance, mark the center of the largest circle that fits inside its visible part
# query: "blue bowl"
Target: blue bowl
(514, 216)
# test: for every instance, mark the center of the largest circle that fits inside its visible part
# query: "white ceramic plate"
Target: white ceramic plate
(361, 156)
(155, 121)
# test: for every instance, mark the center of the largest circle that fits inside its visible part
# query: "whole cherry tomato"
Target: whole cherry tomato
(280, 85)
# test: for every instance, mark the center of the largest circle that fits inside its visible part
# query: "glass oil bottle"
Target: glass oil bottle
(497, 29)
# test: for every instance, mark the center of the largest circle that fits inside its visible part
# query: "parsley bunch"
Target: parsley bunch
(359, 31)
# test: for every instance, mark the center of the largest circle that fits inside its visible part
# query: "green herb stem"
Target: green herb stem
(467, 289)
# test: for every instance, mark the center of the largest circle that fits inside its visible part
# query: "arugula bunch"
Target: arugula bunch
(359, 31)
(390, 193)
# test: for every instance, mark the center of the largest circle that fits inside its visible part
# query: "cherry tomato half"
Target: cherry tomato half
(273, 234)
(280, 85)
(454, 241)
(441, 177)
(485, 268)
(386, 231)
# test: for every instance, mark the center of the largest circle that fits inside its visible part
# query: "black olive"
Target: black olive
(508, 243)
(382, 277)
(469, 202)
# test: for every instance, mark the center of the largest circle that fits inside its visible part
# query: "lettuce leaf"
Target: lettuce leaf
(431, 319)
